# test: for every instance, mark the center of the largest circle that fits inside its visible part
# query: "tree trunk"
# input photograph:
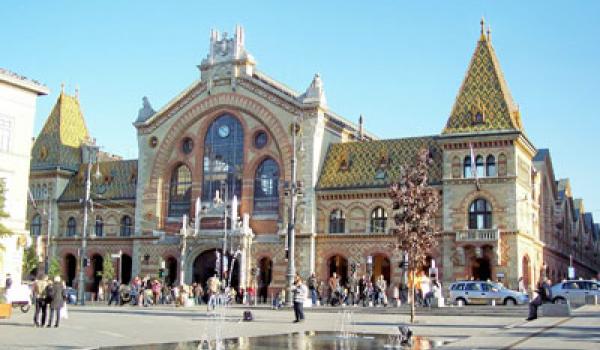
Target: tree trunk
(412, 296)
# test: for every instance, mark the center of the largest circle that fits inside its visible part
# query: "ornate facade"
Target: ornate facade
(225, 142)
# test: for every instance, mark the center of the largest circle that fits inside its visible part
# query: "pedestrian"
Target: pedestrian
(362, 285)
(312, 288)
(299, 292)
(39, 295)
(425, 290)
(544, 295)
(114, 292)
(334, 286)
(8, 282)
(381, 289)
(156, 287)
(213, 290)
(56, 303)
(352, 289)
(522, 285)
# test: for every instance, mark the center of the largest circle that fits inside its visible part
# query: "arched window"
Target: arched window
(99, 226)
(126, 226)
(266, 193)
(467, 172)
(490, 166)
(223, 158)
(337, 221)
(480, 214)
(180, 195)
(479, 166)
(71, 227)
(378, 220)
(36, 225)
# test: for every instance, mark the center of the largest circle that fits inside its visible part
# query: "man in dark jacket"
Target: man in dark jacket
(114, 292)
(57, 301)
(544, 295)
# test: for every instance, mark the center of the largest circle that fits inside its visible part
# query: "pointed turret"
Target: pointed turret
(484, 102)
(59, 142)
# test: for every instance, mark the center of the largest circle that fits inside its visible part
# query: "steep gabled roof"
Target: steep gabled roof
(484, 102)
(375, 163)
(59, 142)
(118, 181)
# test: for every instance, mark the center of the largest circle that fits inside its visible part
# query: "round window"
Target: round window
(187, 145)
(260, 140)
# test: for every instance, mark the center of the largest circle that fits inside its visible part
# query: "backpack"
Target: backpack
(49, 291)
(248, 316)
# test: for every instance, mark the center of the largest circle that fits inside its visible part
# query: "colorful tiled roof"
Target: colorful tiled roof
(484, 102)
(117, 181)
(375, 163)
(59, 142)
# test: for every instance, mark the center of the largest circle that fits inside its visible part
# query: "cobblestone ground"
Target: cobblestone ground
(478, 327)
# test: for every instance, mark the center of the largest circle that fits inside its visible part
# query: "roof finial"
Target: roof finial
(62, 88)
(482, 23)
(489, 33)
(360, 128)
(77, 92)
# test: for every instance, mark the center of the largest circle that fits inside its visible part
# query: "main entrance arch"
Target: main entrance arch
(339, 265)
(381, 266)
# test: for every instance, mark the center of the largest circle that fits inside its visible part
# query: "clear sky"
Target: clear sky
(400, 63)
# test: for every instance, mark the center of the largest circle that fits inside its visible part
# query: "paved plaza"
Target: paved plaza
(97, 326)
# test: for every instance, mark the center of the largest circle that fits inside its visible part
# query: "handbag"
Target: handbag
(63, 312)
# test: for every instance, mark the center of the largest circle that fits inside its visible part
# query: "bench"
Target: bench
(556, 310)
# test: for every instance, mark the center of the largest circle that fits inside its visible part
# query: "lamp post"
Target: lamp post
(369, 266)
(291, 234)
(183, 247)
(83, 251)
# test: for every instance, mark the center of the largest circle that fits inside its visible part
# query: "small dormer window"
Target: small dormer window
(380, 174)
(478, 118)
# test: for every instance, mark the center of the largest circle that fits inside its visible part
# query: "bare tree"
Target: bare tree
(415, 205)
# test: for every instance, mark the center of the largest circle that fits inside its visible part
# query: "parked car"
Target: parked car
(574, 291)
(483, 292)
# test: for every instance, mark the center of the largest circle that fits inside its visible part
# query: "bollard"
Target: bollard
(460, 303)
(493, 302)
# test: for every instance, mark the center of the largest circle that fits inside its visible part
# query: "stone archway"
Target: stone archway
(71, 268)
(339, 265)
(171, 271)
(481, 269)
(126, 265)
(265, 277)
(98, 268)
(381, 266)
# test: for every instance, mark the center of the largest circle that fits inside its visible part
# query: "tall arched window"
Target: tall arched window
(490, 166)
(126, 226)
(378, 220)
(479, 166)
(71, 227)
(99, 226)
(467, 171)
(180, 195)
(337, 221)
(266, 193)
(223, 158)
(480, 214)
(36, 225)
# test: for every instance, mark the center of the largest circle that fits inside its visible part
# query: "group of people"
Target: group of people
(49, 294)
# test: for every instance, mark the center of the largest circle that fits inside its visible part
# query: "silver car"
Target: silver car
(574, 291)
(482, 292)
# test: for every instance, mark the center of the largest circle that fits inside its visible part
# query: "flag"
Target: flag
(33, 203)
(234, 204)
(197, 217)
(474, 166)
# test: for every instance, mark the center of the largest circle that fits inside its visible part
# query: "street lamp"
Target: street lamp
(291, 269)
(83, 252)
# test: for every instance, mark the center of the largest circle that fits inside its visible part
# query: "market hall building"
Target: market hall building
(504, 215)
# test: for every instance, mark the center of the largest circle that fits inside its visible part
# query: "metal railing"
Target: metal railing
(483, 235)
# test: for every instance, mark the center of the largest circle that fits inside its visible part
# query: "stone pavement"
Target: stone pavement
(490, 328)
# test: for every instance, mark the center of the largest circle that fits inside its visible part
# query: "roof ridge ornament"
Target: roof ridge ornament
(315, 93)
(146, 111)
(482, 23)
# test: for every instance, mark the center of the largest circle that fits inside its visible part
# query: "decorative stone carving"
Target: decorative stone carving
(315, 92)
(146, 111)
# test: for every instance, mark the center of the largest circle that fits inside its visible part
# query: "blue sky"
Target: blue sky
(398, 63)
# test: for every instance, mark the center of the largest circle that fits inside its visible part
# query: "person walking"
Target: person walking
(213, 289)
(57, 301)
(334, 286)
(39, 295)
(114, 292)
(522, 285)
(352, 289)
(312, 287)
(544, 295)
(299, 292)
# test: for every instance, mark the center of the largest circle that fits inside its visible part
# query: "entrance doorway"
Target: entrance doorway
(71, 264)
(126, 269)
(339, 265)
(482, 270)
(97, 266)
(208, 263)
(265, 266)
(381, 266)
(171, 266)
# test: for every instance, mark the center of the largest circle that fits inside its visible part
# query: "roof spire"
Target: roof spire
(77, 92)
(482, 23)
(62, 88)
(360, 128)
(489, 33)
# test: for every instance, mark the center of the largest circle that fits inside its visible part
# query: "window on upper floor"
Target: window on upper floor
(378, 220)
(337, 221)
(490, 166)
(266, 188)
(467, 170)
(99, 229)
(223, 158)
(180, 194)
(36, 225)
(480, 214)
(126, 226)
(71, 227)
(479, 166)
